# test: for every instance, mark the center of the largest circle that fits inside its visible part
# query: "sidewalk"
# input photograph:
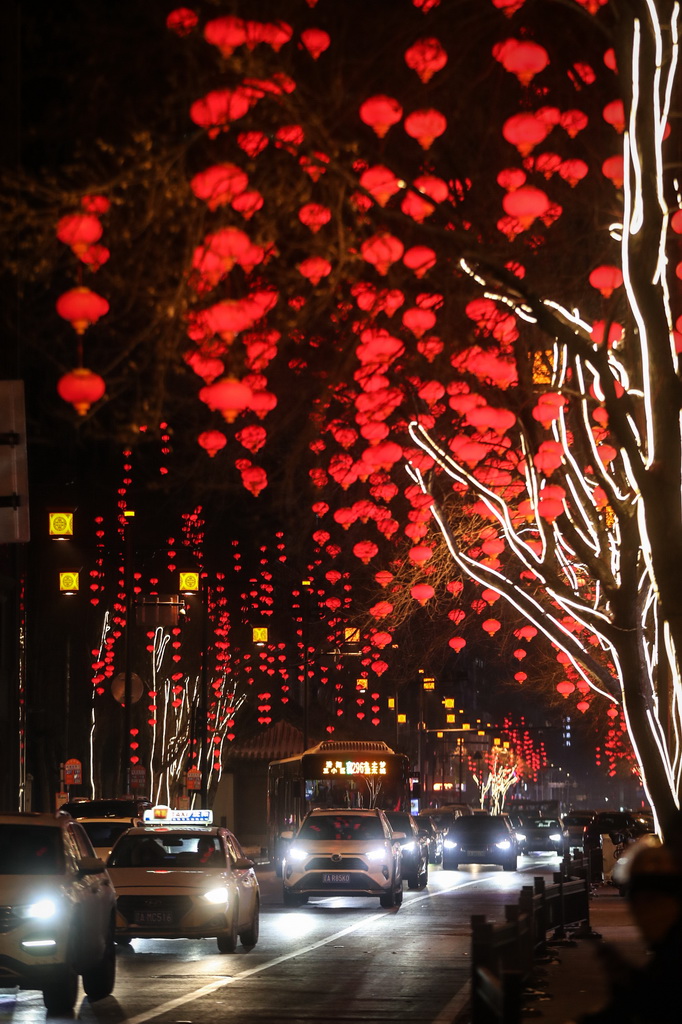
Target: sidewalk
(574, 982)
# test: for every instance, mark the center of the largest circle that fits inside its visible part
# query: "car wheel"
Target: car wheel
(509, 865)
(227, 942)
(413, 881)
(398, 896)
(293, 899)
(123, 940)
(424, 877)
(449, 863)
(98, 982)
(249, 937)
(59, 995)
(387, 900)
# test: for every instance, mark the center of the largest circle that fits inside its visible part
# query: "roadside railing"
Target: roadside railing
(506, 956)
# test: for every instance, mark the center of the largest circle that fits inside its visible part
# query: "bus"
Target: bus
(335, 773)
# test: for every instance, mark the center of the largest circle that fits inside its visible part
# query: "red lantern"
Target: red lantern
(181, 21)
(565, 688)
(218, 108)
(491, 626)
(380, 113)
(522, 58)
(212, 441)
(422, 592)
(79, 230)
(81, 387)
(315, 41)
(606, 279)
(525, 204)
(612, 168)
(81, 307)
(228, 395)
(614, 114)
(314, 216)
(425, 126)
(219, 184)
(227, 33)
(315, 268)
(382, 250)
(426, 57)
(381, 183)
(525, 131)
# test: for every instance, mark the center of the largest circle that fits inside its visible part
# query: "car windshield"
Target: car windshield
(399, 822)
(30, 850)
(576, 820)
(105, 833)
(167, 850)
(478, 825)
(341, 827)
(544, 823)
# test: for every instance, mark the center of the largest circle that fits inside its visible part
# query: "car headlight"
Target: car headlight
(377, 853)
(521, 836)
(296, 853)
(449, 844)
(218, 895)
(409, 847)
(41, 910)
(555, 837)
(504, 845)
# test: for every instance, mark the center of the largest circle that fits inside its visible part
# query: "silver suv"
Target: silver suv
(343, 853)
(57, 910)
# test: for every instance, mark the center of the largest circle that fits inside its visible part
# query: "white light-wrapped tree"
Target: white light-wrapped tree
(593, 538)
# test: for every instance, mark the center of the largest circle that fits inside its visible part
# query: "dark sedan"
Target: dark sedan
(540, 835)
(480, 839)
(414, 849)
(434, 837)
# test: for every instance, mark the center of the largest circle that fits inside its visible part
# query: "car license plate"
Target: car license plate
(153, 917)
(335, 878)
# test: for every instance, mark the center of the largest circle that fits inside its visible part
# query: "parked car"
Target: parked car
(536, 835)
(183, 881)
(343, 853)
(434, 837)
(480, 839)
(103, 832)
(57, 908)
(414, 849)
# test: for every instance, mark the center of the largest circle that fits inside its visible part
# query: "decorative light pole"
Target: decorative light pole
(190, 586)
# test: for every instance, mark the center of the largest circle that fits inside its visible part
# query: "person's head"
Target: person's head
(205, 844)
(655, 891)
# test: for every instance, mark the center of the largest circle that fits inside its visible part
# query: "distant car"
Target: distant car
(434, 837)
(573, 826)
(103, 832)
(414, 849)
(443, 817)
(613, 823)
(107, 807)
(57, 908)
(480, 839)
(343, 853)
(180, 881)
(537, 835)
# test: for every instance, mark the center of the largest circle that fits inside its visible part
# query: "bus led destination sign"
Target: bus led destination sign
(354, 768)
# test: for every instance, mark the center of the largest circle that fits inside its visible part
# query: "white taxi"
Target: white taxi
(179, 877)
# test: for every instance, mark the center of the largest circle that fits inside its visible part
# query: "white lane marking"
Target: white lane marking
(213, 986)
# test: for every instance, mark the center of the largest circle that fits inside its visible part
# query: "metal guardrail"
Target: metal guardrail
(505, 955)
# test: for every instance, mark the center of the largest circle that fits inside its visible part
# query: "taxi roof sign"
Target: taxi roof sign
(172, 816)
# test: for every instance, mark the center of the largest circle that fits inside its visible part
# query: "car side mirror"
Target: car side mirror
(91, 866)
(242, 863)
(398, 835)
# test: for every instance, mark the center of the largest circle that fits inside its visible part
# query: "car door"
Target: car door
(243, 879)
(92, 897)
